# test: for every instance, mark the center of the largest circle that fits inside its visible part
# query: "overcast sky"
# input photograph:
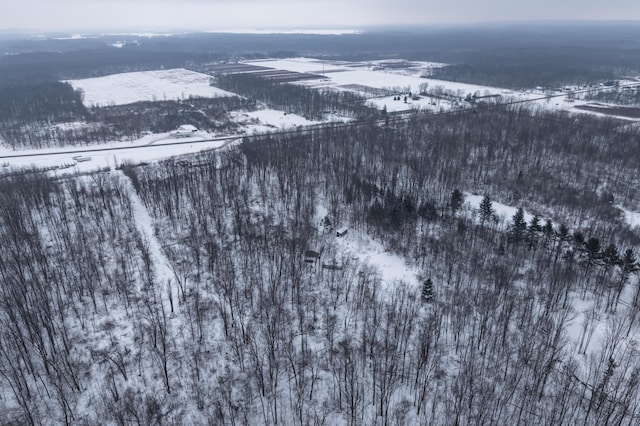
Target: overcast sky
(230, 14)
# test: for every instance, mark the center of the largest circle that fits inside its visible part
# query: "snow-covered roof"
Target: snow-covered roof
(187, 128)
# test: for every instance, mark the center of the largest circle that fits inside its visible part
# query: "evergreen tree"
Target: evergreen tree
(427, 291)
(428, 211)
(533, 230)
(457, 198)
(486, 209)
(563, 232)
(593, 250)
(518, 226)
(534, 225)
(610, 255)
(629, 263)
(548, 232)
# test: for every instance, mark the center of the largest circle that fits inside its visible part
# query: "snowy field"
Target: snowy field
(373, 74)
(126, 88)
(393, 75)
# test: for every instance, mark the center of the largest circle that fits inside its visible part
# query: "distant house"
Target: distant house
(312, 255)
(333, 266)
(184, 131)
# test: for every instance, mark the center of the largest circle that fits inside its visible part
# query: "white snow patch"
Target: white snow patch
(392, 267)
(631, 217)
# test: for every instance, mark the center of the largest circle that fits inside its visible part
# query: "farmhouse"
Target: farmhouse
(184, 131)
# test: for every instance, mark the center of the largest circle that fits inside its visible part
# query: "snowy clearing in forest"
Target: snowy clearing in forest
(632, 218)
(126, 88)
(265, 120)
(391, 267)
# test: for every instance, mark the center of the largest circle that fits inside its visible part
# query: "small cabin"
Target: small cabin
(342, 232)
(313, 254)
(333, 266)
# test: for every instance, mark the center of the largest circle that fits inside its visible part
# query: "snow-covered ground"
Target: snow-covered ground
(392, 267)
(632, 218)
(265, 120)
(161, 266)
(126, 88)
(149, 148)
(370, 74)
(423, 103)
(396, 75)
(382, 74)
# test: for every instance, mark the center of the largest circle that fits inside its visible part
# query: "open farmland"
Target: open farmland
(126, 88)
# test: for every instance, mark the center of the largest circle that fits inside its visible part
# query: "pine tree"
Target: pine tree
(548, 232)
(629, 262)
(563, 232)
(457, 198)
(593, 250)
(533, 230)
(611, 256)
(486, 210)
(427, 291)
(518, 226)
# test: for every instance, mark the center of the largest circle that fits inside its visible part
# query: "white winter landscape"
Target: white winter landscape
(325, 269)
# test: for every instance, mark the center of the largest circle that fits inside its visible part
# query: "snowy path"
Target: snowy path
(160, 264)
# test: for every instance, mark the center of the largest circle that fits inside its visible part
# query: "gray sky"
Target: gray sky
(228, 14)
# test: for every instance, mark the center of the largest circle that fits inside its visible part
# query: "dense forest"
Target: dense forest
(188, 294)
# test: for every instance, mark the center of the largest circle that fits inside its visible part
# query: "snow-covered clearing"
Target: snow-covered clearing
(126, 88)
(632, 218)
(360, 247)
(391, 267)
(265, 120)
(422, 103)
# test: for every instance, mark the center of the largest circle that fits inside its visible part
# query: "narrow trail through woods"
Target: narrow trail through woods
(160, 264)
